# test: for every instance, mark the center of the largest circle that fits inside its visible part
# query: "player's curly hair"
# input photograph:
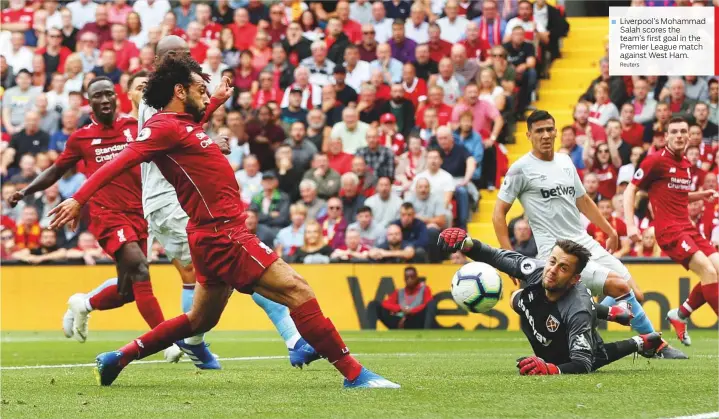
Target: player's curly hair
(173, 70)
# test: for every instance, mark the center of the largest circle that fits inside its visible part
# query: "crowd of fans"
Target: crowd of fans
(358, 130)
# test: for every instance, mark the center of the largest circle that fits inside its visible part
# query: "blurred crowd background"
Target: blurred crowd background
(359, 130)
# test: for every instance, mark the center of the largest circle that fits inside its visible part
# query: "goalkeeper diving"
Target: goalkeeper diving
(557, 312)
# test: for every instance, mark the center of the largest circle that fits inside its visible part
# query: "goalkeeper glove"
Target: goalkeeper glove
(533, 365)
(453, 240)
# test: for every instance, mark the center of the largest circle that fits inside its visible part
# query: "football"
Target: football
(476, 287)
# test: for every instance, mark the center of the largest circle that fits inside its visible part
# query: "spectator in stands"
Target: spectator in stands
(351, 131)
(320, 67)
(293, 112)
(591, 185)
(288, 175)
(430, 210)
(264, 136)
(356, 72)
(366, 175)
(19, 56)
(30, 140)
(714, 101)
(316, 207)
(317, 128)
(27, 172)
(109, 66)
(575, 151)
(27, 232)
(327, 179)
(249, 178)
(415, 88)
(49, 118)
(490, 91)
(302, 149)
(436, 102)
(695, 88)
(523, 239)
(617, 87)
(353, 250)
(390, 67)
(89, 52)
(486, 117)
(472, 141)
(463, 67)
(606, 208)
(340, 161)
(54, 53)
(522, 55)
(368, 106)
(69, 32)
(491, 24)
(451, 82)
(214, 67)
(584, 129)
(314, 249)
(333, 223)
(402, 47)
(101, 26)
(602, 110)
(393, 249)
(644, 106)
(602, 164)
(47, 201)
(506, 75)
(378, 157)
(406, 308)
(291, 237)
(57, 100)
(380, 24)
(126, 51)
(331, 107)
(710, 130)
(264, 233)
(416, 26)
(423, 64)
(17, 101)
(452, 25)
(7, 78)
(337, 41)
(361, 11)
(461, 165)
(350, 195)
(388, 131)
(626, 172)
(441, 183)
(476, 48)
(47, 251)
(272, 205)
(384, 204)
(7, 244)
(371, 232)
(309, 26)
(648, 246)
(662, 115)
(276, 29)
(632, 132)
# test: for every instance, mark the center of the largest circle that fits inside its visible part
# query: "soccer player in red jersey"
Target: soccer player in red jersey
(116, 217)
(225, 254)
(666, 175)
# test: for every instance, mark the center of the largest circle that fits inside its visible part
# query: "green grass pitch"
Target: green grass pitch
(451, 374)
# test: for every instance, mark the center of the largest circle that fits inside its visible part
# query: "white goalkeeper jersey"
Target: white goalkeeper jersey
(156, 190)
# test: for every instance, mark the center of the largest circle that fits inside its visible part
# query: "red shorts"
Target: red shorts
(113, 229)
(229, 254)
(682, 245)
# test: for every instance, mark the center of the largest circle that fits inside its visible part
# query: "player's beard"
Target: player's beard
(193, 110)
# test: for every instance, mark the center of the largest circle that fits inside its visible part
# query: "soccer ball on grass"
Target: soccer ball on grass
(476, 287)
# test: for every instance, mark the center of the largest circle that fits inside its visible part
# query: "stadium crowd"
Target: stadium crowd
(358, 130)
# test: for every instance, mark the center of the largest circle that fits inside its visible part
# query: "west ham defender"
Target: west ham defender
(558, 315)
(666, 175)
(552, 195)
(115, 212)
(224, 253)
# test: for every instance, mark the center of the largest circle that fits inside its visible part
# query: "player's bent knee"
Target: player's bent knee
(139, 271)
(616, 286)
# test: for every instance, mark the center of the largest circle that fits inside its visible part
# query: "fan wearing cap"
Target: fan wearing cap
(271, 205)
(389, 137)
(294, 111)
(345, 93)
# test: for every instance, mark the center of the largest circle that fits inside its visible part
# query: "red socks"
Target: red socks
(157, 339)
(107, 299)
(147, 304)
(693, 302)
(711, 295)
(322, 335)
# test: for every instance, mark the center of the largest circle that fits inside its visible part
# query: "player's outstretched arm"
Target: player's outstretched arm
(630, 194)
(219, 97)
(499, 222)
(43, 181)
(507, 261)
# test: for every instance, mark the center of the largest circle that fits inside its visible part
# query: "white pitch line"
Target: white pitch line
(710, 415)
(23, 339)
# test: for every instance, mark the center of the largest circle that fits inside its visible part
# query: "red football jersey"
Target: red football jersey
(24, 15)
(668, 180)
(211, 32)
(607, 180)
(395, 142)
(96, 145)
(189, 160)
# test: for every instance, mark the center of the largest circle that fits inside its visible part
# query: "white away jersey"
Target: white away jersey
(548, 191)
(156, 190)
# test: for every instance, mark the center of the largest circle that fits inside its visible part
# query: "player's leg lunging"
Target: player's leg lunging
(285, 286)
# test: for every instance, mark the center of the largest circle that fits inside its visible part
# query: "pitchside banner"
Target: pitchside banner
(663, 41)
(34, 298)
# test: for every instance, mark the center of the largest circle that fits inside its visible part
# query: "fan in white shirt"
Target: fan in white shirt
(416, 28)
(382, 25)
(452, 25)
(151, 12)
(214, 66)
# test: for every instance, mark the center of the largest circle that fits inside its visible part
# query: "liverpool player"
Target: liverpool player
(557, 313)
(115, 212)
(666, 175)
(224, 253)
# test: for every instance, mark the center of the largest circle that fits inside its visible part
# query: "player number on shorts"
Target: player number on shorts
(685, 246)
(266, 248)
(121, 235)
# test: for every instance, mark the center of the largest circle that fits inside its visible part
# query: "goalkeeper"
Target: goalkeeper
(557, 312)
